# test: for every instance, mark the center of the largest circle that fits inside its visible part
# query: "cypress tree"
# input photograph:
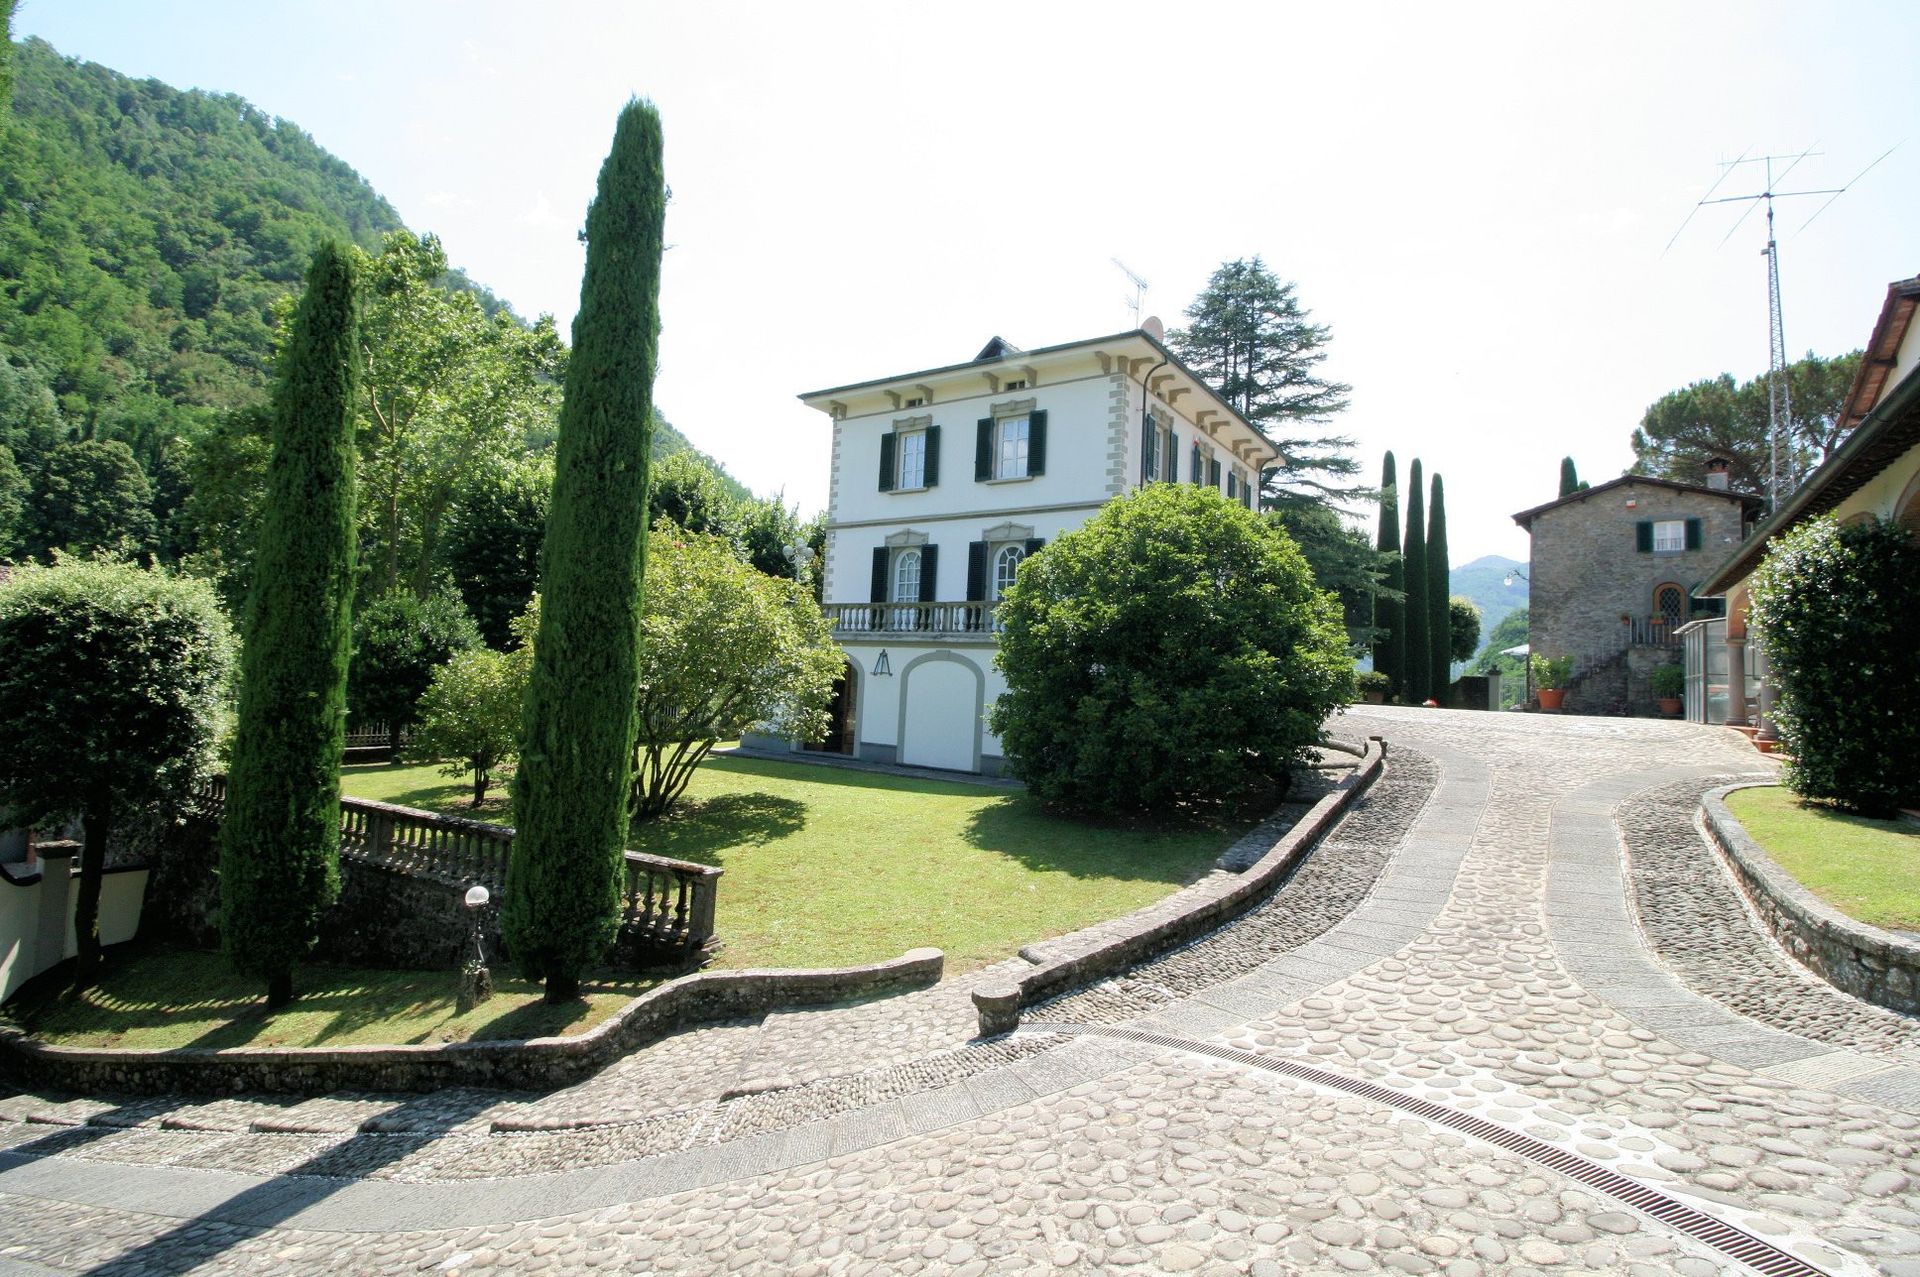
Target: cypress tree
(280, 845)
(1389, 650)
(1439, 595)
(564, 884)
(1416, 675)
(1569, 477)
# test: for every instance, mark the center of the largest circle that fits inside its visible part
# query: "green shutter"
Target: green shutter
(1033, 546)
(983, 450)
(880, 559)
(1643, 536)
(976, 572)
(1213, 472)
(1149, 449)
(1037, 442)
(929, 573)
(889, 466)
(933, 456)
(1693, 534)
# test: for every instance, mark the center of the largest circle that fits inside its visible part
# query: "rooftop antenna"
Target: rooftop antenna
(1779, 400)
(1134, 302)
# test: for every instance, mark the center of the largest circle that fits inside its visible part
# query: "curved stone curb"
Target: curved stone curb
(1167, 924)
(537, 1064)
(1871, 964)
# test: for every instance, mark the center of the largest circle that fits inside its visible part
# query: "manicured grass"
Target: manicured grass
(828, 867)
(1867, 869)
(162, 999)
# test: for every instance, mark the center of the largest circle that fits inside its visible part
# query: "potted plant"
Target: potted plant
(1668, 683)
(1550, 675)
(1373, 686)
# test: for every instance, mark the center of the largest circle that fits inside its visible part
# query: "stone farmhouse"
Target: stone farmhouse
(946, 479)
(1617, 569)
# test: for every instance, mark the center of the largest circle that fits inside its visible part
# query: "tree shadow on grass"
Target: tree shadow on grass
(706, 830)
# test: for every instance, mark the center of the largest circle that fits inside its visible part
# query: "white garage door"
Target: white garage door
(943, 707)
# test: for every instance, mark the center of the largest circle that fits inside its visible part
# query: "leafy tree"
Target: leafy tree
(92, 498)
(493, 545)
(1509, 631)
(1250, 338)
(6, 60)
(1716, 417)
(723, 647)
(31, 422)
(112, 681)
(1463, 628)
(280, 843)
(1390, 648)
(1341, 558)
(1834, 606)
(398, 642)
(1172, 652)
(688, 490)
(470, 713)
(1439, 576)
(13, 504)
(564, 882)
(1416, 681)
(219, 521)
(1570, 480)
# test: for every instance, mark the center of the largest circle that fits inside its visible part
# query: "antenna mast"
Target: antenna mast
(1134, 302)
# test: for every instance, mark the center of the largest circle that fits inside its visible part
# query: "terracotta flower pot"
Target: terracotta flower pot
(1550, 697)
(1669, 704)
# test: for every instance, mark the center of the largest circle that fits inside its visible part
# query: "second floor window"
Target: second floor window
(913, 460)
(1010, 455)
(1669, 535)
(910, 459)
(1013, 446)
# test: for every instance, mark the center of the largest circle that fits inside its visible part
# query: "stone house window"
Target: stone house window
(1667, 536)
(1669, 604)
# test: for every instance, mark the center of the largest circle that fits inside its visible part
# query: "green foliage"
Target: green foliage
(1570, 480)
(493, 544)
(6, 60)
(1439, 612)
(1509, 631)
(1463, 628)
(279, 849)
(13, 504)
(1834, 607)
(1669, 681)
(562, 902)
(1372, 683)
(219, 522)
(724, 647)
(112, 680)
(398, 642)
(1342, 559)
(1253, 342)
(1416, 679)
(470, 713)
(91, 498)
(1550, 673)
(1684, 428)
(1389, 616)
(1170, 653)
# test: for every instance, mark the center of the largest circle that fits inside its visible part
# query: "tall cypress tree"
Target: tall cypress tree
(564, 884)
(280, 844)
(1389, 650)
(1439, 595)
(1569, 477)
(1416, 675)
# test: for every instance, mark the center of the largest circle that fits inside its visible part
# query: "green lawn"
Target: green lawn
(139, 1002)
(828, 867)
(1867, 869)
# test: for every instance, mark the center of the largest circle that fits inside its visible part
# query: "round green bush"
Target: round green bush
(1833, 607)
(1172, 653)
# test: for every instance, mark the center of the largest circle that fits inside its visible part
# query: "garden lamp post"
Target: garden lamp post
(476, 982)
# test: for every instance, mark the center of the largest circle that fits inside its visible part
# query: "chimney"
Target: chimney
(1717, 468)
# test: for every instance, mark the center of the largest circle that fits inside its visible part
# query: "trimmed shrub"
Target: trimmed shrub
(1173, 652)
(1463, 628)
(1668, 681)
(1834, 608)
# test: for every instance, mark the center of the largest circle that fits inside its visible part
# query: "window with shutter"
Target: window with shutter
(889, 446)
(1149, 451)
(933, 456)
(906, 576)
(983, 450)
(1693, 534)
(930, 574)
(1197, 471)
(1669, 536)
(1169, 456)
(1037, 442)
(1006, 565)
(880, 557)
(1213, 472)
(976, 572)
(1010, 440)
(1643, 536)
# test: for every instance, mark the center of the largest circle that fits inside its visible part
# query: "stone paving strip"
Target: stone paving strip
(1493, 969)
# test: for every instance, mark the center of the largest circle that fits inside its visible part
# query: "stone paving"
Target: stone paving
(1471, 936)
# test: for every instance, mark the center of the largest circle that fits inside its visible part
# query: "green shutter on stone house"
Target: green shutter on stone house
(1643, 536)
(976, 572)
(929, 573)
(983, 450)
(1037, 442)
(889, 464)
(933, 456)
(880, 560)
(1693, 534)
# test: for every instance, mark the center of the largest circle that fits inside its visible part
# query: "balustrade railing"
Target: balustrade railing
(667, 905)
(1643, 632)
(945, 619)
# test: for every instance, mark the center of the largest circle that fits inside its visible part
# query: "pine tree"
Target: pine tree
(1439, 596)
(564, 884)
(280, 845)
(1389, 650)
(1416, 675)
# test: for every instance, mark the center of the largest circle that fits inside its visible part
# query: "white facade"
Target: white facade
(944, 479)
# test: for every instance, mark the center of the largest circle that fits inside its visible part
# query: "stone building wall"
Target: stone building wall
(1586, 572)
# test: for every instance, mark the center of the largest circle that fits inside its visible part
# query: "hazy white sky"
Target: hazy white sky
(1475, 198)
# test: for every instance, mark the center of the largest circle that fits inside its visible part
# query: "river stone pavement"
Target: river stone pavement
(1475, 935)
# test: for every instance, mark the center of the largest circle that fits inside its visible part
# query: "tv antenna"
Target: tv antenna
(1139, 290)
(1779, 398)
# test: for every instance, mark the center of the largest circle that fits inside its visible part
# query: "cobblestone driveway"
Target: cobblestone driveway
(1472, 937)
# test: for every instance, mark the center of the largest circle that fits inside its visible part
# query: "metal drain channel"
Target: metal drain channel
(1735, 1243)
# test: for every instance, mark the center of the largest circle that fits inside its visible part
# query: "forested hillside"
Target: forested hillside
(150, 239)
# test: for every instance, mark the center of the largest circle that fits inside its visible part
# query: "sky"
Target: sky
(1478, 200)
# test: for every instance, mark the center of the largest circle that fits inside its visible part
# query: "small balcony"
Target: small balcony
(949, 622)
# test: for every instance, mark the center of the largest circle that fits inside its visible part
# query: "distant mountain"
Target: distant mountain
(1484, 581)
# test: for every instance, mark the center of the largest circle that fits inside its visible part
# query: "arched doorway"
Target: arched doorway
(842, 715)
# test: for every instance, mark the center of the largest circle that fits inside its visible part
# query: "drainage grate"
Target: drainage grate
(1733, 1242)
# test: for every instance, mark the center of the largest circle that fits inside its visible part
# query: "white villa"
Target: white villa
(944, 480)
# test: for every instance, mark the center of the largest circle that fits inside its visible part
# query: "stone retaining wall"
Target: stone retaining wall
(1863, 960)
(1074, 961)
(539, 1064)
